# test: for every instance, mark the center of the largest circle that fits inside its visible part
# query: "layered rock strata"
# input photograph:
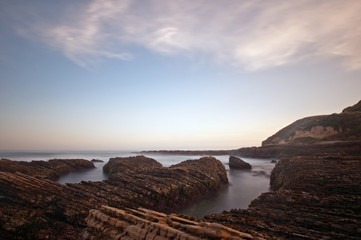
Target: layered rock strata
(137, 164)
(237, 163)
(315, 198)
(51, 169)
(36, 208)
(113, 224)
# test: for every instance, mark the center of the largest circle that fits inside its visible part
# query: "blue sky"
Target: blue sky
(108, 74)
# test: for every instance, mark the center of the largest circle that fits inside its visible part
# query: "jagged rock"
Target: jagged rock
(120, 165)
(237, 163)
(113, 224)
(273, 161)
(316, 198)
(51, 169)
(166, 189)
(31, 207)
(323, 174)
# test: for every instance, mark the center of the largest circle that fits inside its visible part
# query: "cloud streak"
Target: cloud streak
(251, 35)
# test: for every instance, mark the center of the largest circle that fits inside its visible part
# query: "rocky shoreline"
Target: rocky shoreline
(275, 151)
(313, 198)
(32, 207)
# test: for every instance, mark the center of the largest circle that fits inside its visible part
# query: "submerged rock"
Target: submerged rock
(51, 169)
(237, 163)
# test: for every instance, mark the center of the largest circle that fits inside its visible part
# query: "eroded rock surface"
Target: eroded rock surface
(137, 164)
(316, 198)
(113, 224)
(51, 169)
(237, 163)
(35, 208)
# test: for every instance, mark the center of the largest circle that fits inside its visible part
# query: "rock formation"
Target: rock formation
(315, 198)
(237, 163)
(354, 108)
(121, 165)
(32, 207)
(113, 224)
(51, 169)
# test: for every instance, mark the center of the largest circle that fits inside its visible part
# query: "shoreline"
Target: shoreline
(274, 151)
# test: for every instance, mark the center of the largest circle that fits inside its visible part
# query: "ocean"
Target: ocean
(243, 187)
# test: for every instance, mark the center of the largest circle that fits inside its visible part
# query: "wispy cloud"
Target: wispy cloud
(251, 35)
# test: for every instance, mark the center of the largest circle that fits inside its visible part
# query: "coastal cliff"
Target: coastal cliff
(345, 126)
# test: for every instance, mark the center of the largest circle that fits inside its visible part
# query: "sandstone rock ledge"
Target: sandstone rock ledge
(113, 224)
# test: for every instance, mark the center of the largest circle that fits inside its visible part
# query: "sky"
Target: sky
(155, 74)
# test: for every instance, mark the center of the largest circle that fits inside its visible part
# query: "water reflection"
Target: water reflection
(95, 174)
(243, 187)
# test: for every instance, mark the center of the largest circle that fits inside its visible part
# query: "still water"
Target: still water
(243, 187)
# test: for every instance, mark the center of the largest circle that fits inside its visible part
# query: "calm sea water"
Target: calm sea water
(243, 187)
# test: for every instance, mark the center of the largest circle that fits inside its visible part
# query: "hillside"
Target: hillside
(345, 126)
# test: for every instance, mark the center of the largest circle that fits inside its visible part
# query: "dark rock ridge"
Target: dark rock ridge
(289, 150)
(121, 165)
(36, 208)
(345, 126)
(51, 169)
(315, 198)
(113, 224)
(237, 163)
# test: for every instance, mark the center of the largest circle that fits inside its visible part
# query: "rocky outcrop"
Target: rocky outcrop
(34, 208)
(354, 108)
(121, 165)
(166, 189)
(316, 198)
(51, 169)
(237, 163)
(113, 224)
(325, 174)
